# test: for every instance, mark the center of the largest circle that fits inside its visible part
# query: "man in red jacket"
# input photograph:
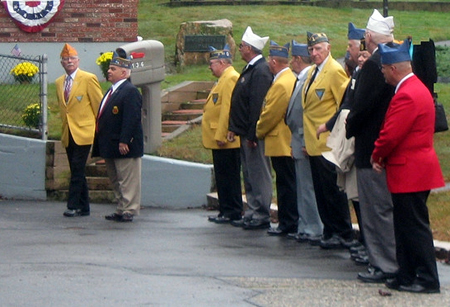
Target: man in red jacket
(405, 148)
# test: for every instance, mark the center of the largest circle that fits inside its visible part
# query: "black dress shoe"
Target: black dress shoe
(349, 243)
(238, 223)
(114, 217)
(392, 283)
(256, 224)
(222, 220)
(314, 240)
(416, 288)
(276, 232)
(75, 212)
(331, 243)
(361, 260)
(127, 217)
(212, 218)
(292, 236)
(374, 275)
(358, 248)
(302, 238)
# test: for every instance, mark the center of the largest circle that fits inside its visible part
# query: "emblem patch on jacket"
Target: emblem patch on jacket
(115, 110)
(215, 97)
(79, 98)
(320, 92)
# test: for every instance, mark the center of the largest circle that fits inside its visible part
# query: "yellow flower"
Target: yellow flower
(103, 61)
(104, 57)
(24, 68)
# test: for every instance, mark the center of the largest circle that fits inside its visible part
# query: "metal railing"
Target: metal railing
(23, 94)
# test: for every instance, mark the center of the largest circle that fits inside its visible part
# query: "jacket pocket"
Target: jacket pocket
(398, 160)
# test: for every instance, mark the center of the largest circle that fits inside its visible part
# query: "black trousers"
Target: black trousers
(286, 193)
(78, 189)
(227, 166)
(414, 240)
(331, 202)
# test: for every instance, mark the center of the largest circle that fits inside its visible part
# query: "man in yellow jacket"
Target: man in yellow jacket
(79, 95)
(323, 90)
(272, 128)
(226, 155)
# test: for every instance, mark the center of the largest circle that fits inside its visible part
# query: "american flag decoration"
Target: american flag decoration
(16, 51)
(33, 16)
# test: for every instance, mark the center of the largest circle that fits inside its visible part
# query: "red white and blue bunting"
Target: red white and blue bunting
(33, 16)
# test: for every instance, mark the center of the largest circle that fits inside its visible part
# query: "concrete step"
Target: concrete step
(193, 105)
(182, 115)
(95, 196)
(169, 128)
(203, 94)
(98, 183)
(96, 170)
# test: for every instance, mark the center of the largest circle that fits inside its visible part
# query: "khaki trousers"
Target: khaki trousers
(125, 176)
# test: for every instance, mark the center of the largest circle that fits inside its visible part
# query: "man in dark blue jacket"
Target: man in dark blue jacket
(119, 139)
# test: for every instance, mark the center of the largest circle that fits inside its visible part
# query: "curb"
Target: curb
(441, 248)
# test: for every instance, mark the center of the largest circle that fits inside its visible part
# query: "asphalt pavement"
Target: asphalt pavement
(173, 258)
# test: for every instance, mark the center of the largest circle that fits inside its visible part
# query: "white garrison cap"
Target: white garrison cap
(379, 24)
(252, 39)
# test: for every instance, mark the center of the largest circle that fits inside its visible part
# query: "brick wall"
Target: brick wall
(80, 21)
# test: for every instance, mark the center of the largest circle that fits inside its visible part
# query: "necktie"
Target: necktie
(67, 88)
(102, 107)
(311, 81)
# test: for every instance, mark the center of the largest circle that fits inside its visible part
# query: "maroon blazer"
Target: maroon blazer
(405, 143)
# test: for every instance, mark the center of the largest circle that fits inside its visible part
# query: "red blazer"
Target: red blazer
(405, 143)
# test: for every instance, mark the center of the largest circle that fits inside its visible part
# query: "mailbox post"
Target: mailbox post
(147, 73)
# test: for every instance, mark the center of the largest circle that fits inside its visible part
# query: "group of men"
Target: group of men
(111, 123)
(279, 113)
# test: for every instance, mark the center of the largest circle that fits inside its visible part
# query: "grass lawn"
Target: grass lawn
(283, 23)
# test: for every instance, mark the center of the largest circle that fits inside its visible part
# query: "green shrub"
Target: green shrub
(32, 115)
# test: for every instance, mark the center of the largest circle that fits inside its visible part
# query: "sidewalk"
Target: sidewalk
(173, 258)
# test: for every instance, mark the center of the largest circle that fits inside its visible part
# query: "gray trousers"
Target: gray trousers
(376, 206)
(257, 181)
(309, 219)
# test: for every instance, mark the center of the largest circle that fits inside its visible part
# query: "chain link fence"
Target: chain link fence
(23, 94)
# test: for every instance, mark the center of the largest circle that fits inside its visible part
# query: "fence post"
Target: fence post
(44, 96)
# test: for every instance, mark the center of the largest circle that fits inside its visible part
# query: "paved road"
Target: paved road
(172, 258)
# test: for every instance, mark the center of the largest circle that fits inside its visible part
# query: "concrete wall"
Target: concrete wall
(88, 53)
(22, 168)
(166, 183)
(174, 183)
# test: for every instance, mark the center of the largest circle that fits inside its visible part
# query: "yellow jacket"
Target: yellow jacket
(216, 112)
(323, 100)
(80, 113)
(271, 125)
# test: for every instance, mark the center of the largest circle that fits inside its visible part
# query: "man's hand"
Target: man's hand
(322, 128)
(377, 167)
(231, 136)
(251, 144)
(304, 151)
(220, 143)
(123, 148)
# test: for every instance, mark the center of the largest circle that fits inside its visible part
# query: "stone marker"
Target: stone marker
(195, 37)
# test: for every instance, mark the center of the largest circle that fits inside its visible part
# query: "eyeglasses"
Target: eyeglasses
(241, 45)
(70, 58)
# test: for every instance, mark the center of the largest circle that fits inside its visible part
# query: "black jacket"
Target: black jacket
(120, 122)
(247, 99)
(371, 100)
